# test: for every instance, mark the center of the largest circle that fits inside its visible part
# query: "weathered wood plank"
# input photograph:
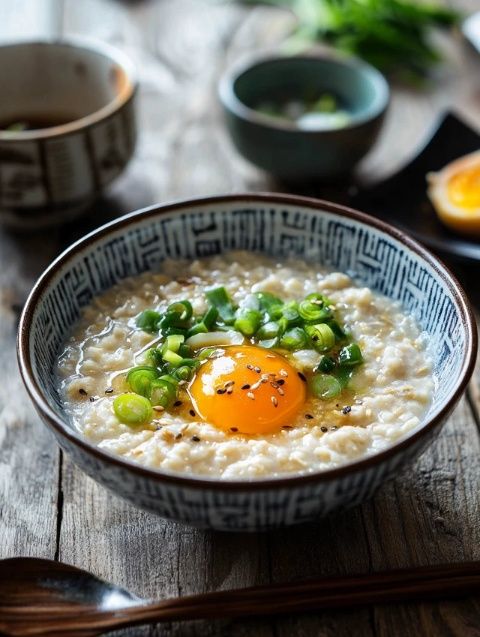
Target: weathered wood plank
(429, 515)
(28, 456)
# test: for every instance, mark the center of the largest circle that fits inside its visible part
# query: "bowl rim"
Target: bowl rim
(231, 102)
(219, 484)
(102, 114)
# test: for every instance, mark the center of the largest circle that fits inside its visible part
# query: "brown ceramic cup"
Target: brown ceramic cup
(67, 128)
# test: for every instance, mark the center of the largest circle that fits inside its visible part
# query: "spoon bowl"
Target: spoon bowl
(55, 593)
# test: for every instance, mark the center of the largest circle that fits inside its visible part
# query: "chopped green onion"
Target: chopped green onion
(230, 337)
(247, 321)
(163, 392)
(322, 336)
(132, 409)
(182, 308)
(290, 314)
(219, 299)
(270, 304)
(170, 379)
(344, 375)
(326, 365)
(313, 309)
(140, 379)
(198, 328)
(191, 362)
(172, 357)
(210, 317)
(171, 319)
(184, 350)
(155, 355)
(173, 342)
(269, 330)
(350, 355)
(324, 386)
(294, 338)
(206, 353)
(337, 329)
(148, 320)
(184, 372)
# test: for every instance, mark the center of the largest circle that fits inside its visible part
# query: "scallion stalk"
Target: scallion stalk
(322, 336)
(350, 355)
(324, 386)
(294, 338)
(140, 379)
(164, 392)
(132, 409)
(269, 330)
(247, 321)
(148, 320)
(219, 299)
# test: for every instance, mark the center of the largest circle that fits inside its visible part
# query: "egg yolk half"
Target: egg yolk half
(463, 188)
(247, 389)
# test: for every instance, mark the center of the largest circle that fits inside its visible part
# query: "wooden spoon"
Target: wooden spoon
(42, 597)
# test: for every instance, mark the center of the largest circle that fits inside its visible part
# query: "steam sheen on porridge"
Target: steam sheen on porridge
(244, 368)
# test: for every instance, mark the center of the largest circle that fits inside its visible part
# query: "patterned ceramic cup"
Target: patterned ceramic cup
(67, 128)
(373, 253)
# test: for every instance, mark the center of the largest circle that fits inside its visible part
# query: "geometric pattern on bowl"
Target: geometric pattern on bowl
(375, 255)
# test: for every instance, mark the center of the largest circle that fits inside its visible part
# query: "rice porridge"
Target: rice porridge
(300, 397)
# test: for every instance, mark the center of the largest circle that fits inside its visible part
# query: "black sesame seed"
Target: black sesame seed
(280, 381)
(302, 377)
(257, 369)
(247, 386)
(92, 399)
(83, 392)
(178, 436)
(250, 367)
(177, 403)
(346, 410)
(109, 390)
(308, 416)
(287, 427)
(324, 429)
(195, 439)
(233, 429)
(221, 391)
(192, 413)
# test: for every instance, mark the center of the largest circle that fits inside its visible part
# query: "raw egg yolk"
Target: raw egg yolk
(247, 389)
(464, 188)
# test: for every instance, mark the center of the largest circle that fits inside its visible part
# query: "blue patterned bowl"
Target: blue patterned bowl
(375, 254)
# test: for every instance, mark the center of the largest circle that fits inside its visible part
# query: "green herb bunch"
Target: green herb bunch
(393, 35)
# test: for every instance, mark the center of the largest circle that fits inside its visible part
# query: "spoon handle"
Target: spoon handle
(418, 584)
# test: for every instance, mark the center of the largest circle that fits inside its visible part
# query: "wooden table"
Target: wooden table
(48, 508)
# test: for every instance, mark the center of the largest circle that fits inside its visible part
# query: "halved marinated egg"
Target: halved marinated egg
(455, 193)
(247, 389)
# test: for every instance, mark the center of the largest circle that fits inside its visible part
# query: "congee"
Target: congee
(240, 367)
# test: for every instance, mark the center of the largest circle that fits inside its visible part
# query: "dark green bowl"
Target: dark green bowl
(282, 147)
